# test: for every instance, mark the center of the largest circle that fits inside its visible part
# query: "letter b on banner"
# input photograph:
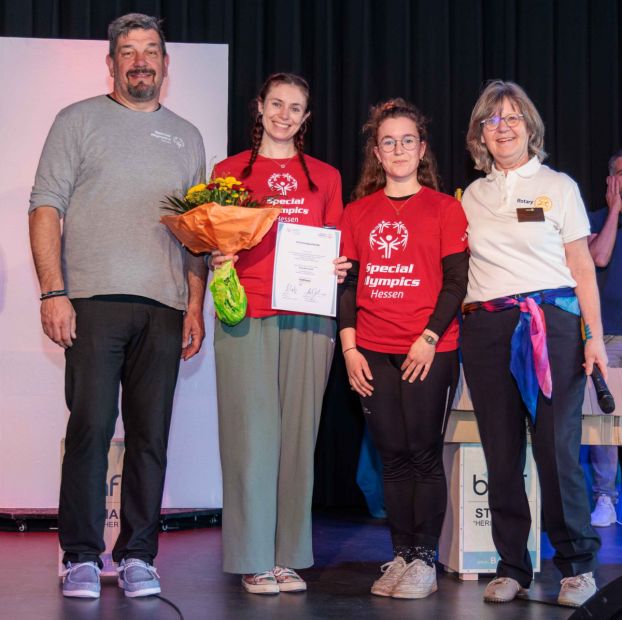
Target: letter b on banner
(480, 486)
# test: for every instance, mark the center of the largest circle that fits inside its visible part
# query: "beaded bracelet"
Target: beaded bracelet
(49, 294)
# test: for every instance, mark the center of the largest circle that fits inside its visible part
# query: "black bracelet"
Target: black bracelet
(60, 293)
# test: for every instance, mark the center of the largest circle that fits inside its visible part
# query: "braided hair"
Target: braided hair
(257, 129)
(373, 176)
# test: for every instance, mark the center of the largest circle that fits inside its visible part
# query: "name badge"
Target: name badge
(530, 214)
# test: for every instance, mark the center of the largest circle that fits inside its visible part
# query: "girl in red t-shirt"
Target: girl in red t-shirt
(272, 368)
(399, 331)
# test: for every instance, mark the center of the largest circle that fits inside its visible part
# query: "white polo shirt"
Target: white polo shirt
(508, 256)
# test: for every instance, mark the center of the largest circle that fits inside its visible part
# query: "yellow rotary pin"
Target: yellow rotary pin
(543, 202)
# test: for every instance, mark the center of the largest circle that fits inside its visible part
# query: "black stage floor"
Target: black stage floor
(349, 550)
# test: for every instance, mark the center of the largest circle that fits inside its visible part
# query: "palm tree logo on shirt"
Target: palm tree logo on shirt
(282, 182)
(388, 237)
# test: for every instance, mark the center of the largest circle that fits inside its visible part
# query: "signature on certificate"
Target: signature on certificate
(290, 291)
(312, 294)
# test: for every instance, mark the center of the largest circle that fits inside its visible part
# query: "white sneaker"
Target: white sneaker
(288, 579)
(261, 583)
(604, 512)
(418, 581)
(392, 571)
(576, 590)
(503, 590)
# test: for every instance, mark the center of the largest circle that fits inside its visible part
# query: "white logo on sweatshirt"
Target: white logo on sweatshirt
(167, 138)
(282, 182)
(388, 237)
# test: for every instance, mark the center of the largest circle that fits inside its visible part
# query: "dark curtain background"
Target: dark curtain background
(437, 53)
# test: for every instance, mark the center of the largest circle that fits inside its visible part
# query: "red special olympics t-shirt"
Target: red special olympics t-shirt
(288, 188)
(400, 245)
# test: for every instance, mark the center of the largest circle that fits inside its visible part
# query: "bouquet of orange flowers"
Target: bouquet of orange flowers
(221, 215)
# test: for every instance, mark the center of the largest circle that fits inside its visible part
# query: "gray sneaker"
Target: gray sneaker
(604, 513)
(82, 580)
(138, 578)
(576, 590)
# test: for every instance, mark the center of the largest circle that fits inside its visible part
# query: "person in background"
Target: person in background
(531, 278)
(606, 250)
(399, 331)
(272, 368)
(120, 295)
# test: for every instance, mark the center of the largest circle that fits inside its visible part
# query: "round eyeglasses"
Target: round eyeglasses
(408, 142)
(492, 123)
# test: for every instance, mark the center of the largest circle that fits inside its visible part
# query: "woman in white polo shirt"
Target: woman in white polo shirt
(531, 278)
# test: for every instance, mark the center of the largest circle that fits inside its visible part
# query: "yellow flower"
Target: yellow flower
(196, 188)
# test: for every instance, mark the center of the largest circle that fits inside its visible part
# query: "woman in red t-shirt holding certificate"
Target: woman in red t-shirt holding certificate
(272, 367)
(399, 331)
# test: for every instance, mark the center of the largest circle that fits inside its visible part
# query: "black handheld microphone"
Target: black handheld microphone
(605, 399)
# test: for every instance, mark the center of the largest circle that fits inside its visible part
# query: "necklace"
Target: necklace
(282, 164)
(403, 203)
(279, 163)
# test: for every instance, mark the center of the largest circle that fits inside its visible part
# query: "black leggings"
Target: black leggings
(407, 422)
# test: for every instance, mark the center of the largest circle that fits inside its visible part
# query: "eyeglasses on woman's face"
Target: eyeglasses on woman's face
(408, 142)
(492, 123)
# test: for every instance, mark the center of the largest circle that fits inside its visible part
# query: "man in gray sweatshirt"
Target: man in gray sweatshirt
(120, 295)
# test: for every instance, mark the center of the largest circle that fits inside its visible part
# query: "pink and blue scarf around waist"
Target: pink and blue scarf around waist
(529, 358)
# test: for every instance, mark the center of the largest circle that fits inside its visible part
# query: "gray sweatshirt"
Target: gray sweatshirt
(106, 169)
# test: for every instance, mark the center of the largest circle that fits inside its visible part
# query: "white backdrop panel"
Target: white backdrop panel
(39, 78)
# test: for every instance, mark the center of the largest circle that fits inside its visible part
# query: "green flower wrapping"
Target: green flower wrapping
(229, 297)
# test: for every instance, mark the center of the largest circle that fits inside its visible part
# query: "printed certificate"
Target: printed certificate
(304, 279)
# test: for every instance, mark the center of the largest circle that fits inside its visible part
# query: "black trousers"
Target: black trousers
(407, 423)
(137, 346)
(556, 439)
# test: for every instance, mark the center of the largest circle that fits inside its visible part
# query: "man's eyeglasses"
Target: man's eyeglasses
(511, 120)
(409, 143)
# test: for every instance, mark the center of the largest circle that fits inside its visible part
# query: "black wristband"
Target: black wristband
(49, 294)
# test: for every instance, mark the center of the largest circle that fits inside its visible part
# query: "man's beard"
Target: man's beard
(141, 91)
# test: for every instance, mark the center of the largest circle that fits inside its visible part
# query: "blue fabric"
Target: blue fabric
(369, 477)
(522, 366)
(610, 278)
